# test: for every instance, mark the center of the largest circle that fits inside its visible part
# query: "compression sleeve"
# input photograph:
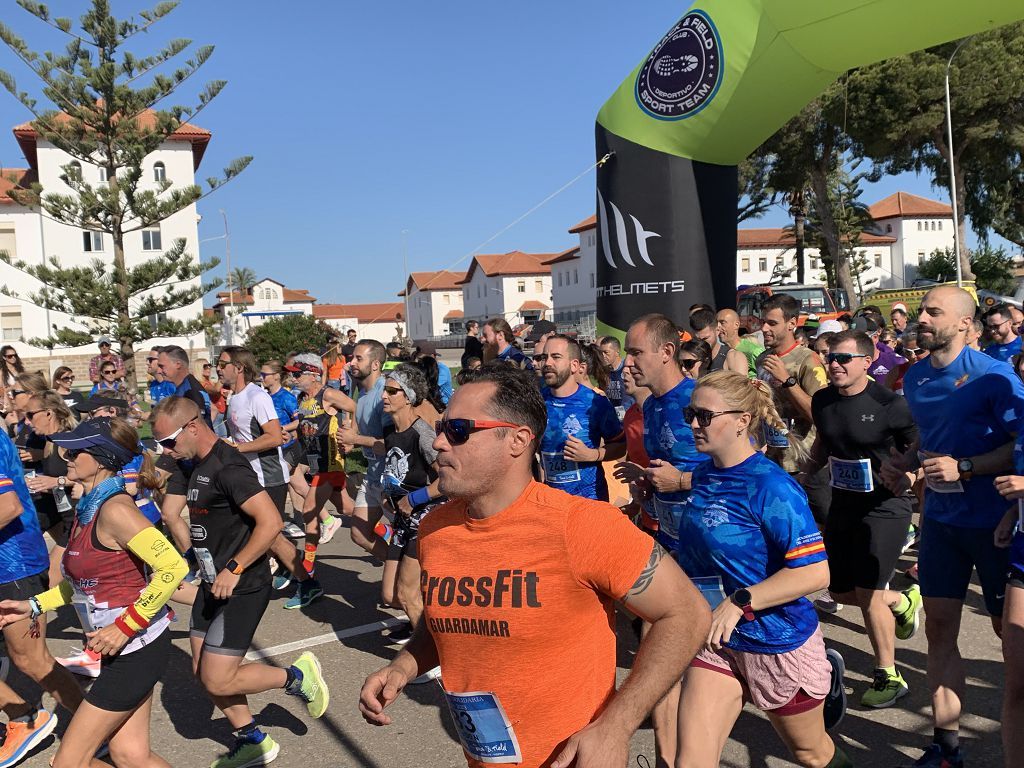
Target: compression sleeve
(150, 546)
(54, 598)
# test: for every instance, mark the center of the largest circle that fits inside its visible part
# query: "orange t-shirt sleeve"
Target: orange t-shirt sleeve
(606, 551)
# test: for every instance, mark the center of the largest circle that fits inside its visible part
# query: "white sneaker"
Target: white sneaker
(328, 530)
(83, 663)
(426, 677)
(824, 603)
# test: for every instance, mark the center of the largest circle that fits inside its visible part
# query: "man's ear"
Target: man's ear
(522, 442)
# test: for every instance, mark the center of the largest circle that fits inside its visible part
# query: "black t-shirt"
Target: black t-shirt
(220, 483)
(473, 348)
(73, 398)
(348, 350)
(864, 426)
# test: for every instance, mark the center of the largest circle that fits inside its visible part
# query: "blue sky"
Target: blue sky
(366, 119)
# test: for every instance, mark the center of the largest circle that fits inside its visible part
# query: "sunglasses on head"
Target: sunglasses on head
(172, 439)
(703, 415)
(843, 358)
(458, 430)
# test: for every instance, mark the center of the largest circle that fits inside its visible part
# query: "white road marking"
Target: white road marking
(330, 637)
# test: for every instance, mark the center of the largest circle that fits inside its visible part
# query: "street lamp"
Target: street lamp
(952, 173)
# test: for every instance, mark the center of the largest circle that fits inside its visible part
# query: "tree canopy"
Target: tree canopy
(278, 336)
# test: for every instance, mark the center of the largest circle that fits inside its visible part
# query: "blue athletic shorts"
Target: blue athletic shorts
(948, 554)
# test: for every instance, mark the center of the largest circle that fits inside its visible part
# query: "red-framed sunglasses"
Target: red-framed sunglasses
(458, 430)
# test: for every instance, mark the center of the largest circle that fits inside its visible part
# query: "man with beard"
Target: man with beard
(541, 570)
(498, 338)
(1005, 343)
(704, 323)
(967, 407)
(579, 419)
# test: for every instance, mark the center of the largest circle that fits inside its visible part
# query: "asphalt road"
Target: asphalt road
(344, 629)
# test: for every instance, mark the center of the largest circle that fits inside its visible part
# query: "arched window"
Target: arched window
(159, 172)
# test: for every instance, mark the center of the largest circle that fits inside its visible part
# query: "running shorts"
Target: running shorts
(334, 479)
(227, 627)
(948, 554)
(864, 548)
(23, 589)
(279, 495)
(1015, 578)
(294, 455)
(773, 682)
(127, 679)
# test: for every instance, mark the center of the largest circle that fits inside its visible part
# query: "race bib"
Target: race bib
(775, 437)
(484, 729)
(80, 601)
(313, 462)
(711, 588)
(851, 474)
(938, 486)
(620, 411)
(558, 469)
(207, 570)
(669, 514)
(60, 496)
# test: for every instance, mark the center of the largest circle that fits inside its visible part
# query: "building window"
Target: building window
(920, 255)
(159, 172)
(485, 290)
(745, 265)
(151, 240)
(92, 241)
(478, 291)
(447, 298)
(155, 320)
(521, 286)
(559, 279)
(940, 226)
(919, 226)
(778, 261)
(878, 259)
(10, 322)
(103, 174)
(888, 227)
(592, 281)
(762, 264)
(538, 286)
(575, 277)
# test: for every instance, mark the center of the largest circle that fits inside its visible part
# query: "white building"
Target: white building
(574, 277)
(382, 322)
(434, 303)
(514, 285)
(28, 236)
(239, 312)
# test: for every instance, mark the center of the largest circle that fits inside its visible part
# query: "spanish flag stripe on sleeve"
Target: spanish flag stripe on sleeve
(807, 549)
(6, 483)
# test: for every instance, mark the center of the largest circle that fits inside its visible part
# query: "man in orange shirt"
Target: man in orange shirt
(519, 582)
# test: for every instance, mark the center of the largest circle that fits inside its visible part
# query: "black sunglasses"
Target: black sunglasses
(108, 370)
(843, 358)
(152, 359)
(393, 390)
(703, 415)
(458, 430)
(688, 363)
(32, 414)
(70, 454)
(12, 356)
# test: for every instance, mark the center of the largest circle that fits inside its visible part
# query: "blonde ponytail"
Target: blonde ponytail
(751, 396)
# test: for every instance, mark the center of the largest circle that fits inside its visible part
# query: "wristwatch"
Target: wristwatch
(741, 599)
(61, 481)
(966, 469)
(234, 567)
(790, 382)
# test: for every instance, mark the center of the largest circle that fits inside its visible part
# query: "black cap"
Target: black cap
(100, 401)
(866, 324)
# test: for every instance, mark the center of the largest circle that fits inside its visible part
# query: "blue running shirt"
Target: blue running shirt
(22, 547)
(1004, 352)
(744, 524)
(588, 417)
(287, 407)
(968, 408)
(668, 437)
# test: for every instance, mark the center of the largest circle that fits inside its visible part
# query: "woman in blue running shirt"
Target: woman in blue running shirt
(1010, 533)
(750, 544)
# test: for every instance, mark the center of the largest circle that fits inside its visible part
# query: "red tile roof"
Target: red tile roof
(10, 178)
(455, 314)
(291, 296)
(588, 223)
(781, 238)
(363, 313)
(533, 304)
(442, 280)
(510, 264)
(198, 137)
(906, 205)
(567, 255)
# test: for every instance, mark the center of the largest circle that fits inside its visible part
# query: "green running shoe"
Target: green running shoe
(246, 754)
(907, 621)
(885, 690)
(314, 690)
(308, 591)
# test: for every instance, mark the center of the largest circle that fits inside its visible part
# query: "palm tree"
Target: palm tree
(241, 279)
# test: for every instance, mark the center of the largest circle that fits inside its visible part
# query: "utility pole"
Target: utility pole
(231, 293)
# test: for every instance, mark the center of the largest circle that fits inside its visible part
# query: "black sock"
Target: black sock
(948, 740)
(251, 733)
(293, 681)
(839, 760)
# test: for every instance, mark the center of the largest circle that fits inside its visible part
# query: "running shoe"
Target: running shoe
(913, 536)
(313, 690)
(292, 531)
(885, 690)
(22, 738)
(908, 621)
(328, 529)
(248, 754)
(282, 579)
(826, 604)
(835, 701)
(934, 757)
(308, 591)
(84, 662)
(426, 677)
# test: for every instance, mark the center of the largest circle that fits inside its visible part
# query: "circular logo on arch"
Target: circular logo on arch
(684, 71)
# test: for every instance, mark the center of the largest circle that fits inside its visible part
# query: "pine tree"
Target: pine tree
(106, 113)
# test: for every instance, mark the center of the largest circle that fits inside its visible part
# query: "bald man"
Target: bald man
(967, 407)
(729, 332)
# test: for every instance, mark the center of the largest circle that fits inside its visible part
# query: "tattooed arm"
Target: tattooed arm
(679, 618)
